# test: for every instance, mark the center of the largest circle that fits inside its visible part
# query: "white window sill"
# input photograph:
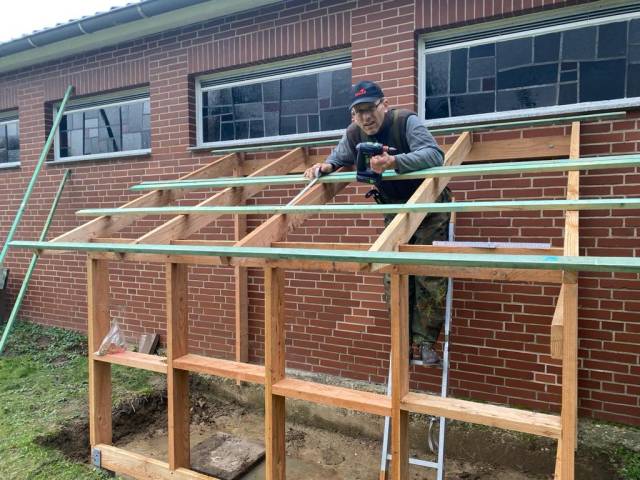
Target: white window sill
(102, 156)
(267, 141)
(9, 165)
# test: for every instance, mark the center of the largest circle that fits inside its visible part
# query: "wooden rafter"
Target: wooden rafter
(104, 226)
(185, 225)
(404, 225)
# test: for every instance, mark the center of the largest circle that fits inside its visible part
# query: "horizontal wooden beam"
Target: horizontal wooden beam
(153, 363)
(484, 414)
(138, 466)
(506, 168)
(340, 209)
(221, 368)
(516, 149)
(331, 395)
(544, 262)
(477, 273)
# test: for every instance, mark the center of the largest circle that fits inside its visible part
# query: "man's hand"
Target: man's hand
(310, 172)
(382, 162)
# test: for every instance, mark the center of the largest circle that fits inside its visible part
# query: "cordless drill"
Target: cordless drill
(366, 150)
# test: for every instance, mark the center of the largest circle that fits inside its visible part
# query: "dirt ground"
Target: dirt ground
(316, 450)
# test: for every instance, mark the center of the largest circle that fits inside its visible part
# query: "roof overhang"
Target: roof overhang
(113, 27)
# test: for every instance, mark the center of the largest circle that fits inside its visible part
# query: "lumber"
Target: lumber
(99, 372)
(550, 262)
(557, 327)
(404, 225)
(177, 380)
(103, 226)
(153, 363)
(334, 396)
(343, 209)
(221, 368)
(525, 421)
(274, 364)
(569, 414)
(514, 149)
(506, 168)
(400, 375)
(183, 226)
(138, 466)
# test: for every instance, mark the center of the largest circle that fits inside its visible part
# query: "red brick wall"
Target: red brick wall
(337, 323)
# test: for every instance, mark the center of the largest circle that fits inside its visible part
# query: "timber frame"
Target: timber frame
(266, 247)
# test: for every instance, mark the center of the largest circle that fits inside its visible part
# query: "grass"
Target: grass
(43, 386)
(629, 463)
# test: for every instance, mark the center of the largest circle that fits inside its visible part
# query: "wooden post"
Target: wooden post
(568, 438)
(400, 376)
(274, 356)
(99, 372)
(177, 380)
(242, 301)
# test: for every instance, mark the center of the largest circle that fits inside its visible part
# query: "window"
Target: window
(105, 127)
(288, 101)
(9, 141)
(577, 66)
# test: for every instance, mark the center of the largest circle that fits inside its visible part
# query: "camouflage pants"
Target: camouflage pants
(427, 295)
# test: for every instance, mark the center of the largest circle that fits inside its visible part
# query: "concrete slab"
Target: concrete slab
(225, 456)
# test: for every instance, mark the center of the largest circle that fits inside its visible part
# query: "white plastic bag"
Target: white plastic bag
(113, 342)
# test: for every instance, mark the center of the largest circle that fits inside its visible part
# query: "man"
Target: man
(374, 121)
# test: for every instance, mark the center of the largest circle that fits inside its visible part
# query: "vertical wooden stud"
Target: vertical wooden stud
(399, 376)
(565, 460)
(242, 301)
(177, 380)
(274, 405)
(99, 372)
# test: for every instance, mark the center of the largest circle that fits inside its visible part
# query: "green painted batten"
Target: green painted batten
(535, 262)
(595, 204)
(542, 166)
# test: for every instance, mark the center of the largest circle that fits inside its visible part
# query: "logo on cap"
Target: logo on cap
(360, 92)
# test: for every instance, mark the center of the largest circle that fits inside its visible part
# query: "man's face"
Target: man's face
(369, 116)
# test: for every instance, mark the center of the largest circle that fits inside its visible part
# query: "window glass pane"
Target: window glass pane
(294, 105)
(117, 128)
(3, 144)
(585, 64)
(9, 142)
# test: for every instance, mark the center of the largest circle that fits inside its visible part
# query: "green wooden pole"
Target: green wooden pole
(532, 262)
(34, 177)
(542, 166)
(522, 205)
(32, 264)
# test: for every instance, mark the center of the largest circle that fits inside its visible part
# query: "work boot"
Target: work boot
(428, 354)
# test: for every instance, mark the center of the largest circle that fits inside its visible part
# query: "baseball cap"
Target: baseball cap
(365, 92)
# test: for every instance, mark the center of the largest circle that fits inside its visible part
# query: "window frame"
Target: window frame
(582, 107)
(102, 102)
(267, 78)
(4, 120)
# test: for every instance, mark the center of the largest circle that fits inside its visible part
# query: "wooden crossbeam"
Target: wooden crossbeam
(484, 414)
(342, 209)
(506, 168)
(104, 226)
(403, 226)
(138, 466)
(573, 264)
(513, 149)
(221, 368)
(334, 396)
(153, 363)
(184, 226)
